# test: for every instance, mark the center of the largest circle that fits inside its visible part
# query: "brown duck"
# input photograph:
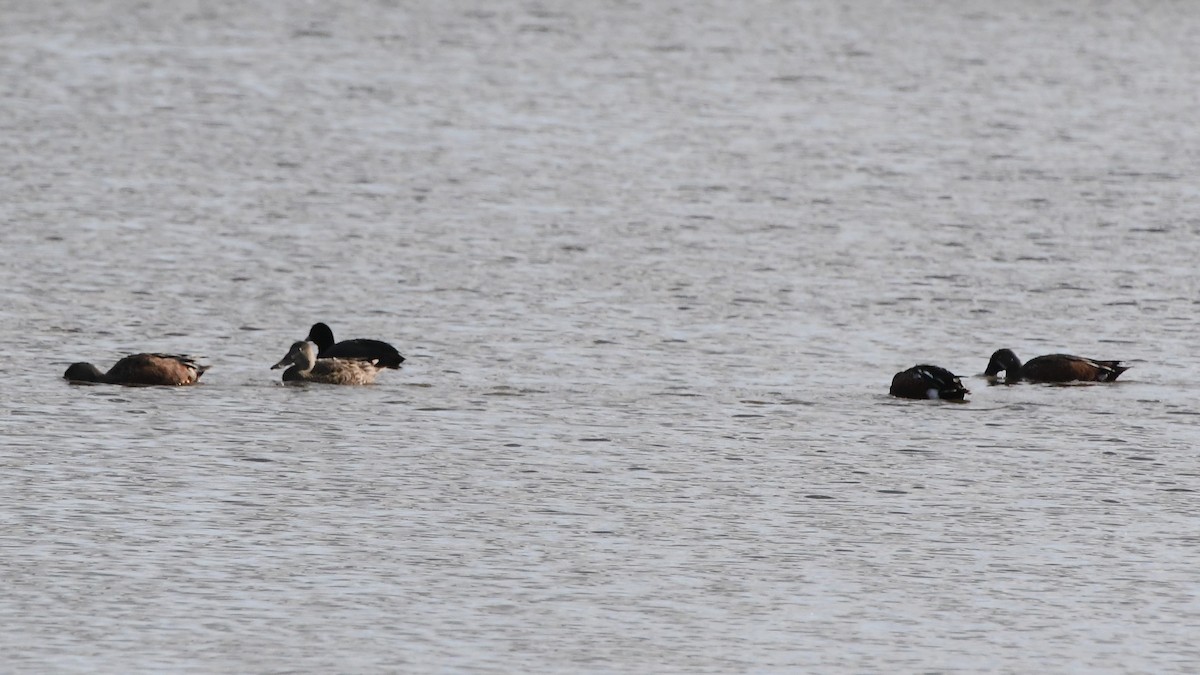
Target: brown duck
(1053, 368)
(141, 369)
(305, 367)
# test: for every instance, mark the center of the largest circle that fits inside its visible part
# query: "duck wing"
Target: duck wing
(343, 371)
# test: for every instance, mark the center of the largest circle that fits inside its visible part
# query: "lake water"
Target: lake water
(653, 265)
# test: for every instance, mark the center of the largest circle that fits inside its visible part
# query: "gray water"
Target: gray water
(653, 265)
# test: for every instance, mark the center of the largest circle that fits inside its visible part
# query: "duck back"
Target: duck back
(384, 355)
(1068, 368)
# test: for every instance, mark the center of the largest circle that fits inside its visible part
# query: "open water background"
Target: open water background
(653, 265)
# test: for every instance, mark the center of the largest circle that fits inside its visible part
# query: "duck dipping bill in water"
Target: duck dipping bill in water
(306, 367)
(385, 355)
(926, 381)
(141, 369)
(1052, 368)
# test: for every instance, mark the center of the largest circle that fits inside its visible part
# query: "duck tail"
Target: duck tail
(1113, 370)
(391, 360)
(954, 392)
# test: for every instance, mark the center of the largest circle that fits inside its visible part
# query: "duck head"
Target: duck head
(302, 354)
(83, 372)
(1006, 360)
(320, 335)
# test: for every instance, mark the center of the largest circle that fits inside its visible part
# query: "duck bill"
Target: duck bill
(287, 360)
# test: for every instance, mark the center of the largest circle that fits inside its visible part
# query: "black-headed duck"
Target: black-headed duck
(141, 369)
(305, 367)
(384, 355)
(926, 381)
(1053, 368)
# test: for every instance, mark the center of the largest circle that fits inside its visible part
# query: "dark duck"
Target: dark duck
(926, 381)
(383, 354)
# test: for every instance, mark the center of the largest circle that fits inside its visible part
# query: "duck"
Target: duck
(306, 367)
(385, 355)
(1053, 368)
(926, 381)
(171, 370)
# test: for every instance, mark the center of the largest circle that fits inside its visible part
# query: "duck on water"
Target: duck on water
(141, 369)
(384, 355)
(926, 381)
(1052, 368)
(306, 367)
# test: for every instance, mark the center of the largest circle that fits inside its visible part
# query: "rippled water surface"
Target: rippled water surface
(653, 265)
